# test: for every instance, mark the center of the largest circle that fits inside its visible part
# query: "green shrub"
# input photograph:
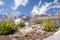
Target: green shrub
(48, 25)
(37, 22)
(56, 28)
(21, 24)
(6, 27)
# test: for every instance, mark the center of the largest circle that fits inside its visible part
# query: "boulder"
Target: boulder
(55, 36)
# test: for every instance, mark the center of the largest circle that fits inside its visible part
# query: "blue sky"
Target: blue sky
(26, 7)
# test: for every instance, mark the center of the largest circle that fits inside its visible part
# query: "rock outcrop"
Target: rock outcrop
(55, 36)
(34, 32)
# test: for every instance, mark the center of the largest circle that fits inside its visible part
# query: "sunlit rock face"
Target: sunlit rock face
(17, 21)
(55, 36)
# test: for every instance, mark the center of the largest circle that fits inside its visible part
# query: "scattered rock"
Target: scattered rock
(5, 37)
(30, 33)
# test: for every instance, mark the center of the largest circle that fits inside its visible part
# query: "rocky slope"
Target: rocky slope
(34, 32)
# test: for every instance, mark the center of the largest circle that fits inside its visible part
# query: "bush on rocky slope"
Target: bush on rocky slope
(48, 25)
(21, 24)
(37, 22)
(6, 27)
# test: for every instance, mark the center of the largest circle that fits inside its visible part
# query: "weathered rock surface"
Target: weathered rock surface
(34, 32)
(55, 36)
(5, 37)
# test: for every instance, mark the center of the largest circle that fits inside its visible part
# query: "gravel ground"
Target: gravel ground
(5, 37)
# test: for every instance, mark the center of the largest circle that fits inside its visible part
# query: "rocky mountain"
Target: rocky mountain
(13, 16)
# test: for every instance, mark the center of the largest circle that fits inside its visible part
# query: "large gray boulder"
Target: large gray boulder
(55, 36)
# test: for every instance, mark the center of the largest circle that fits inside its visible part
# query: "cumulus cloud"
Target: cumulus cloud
(1, 3)
(19, 3)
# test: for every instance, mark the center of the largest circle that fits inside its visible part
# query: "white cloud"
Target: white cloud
(1, 3)
(2, 9)
(56, 5)
(19, 3)
(35, 10)
(16, 13)
(40, 10)
(40, 3)
(55, 1)
(45, 6)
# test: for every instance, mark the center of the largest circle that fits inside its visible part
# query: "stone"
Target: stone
(55, 36)
(30, 33)
(18, 21)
